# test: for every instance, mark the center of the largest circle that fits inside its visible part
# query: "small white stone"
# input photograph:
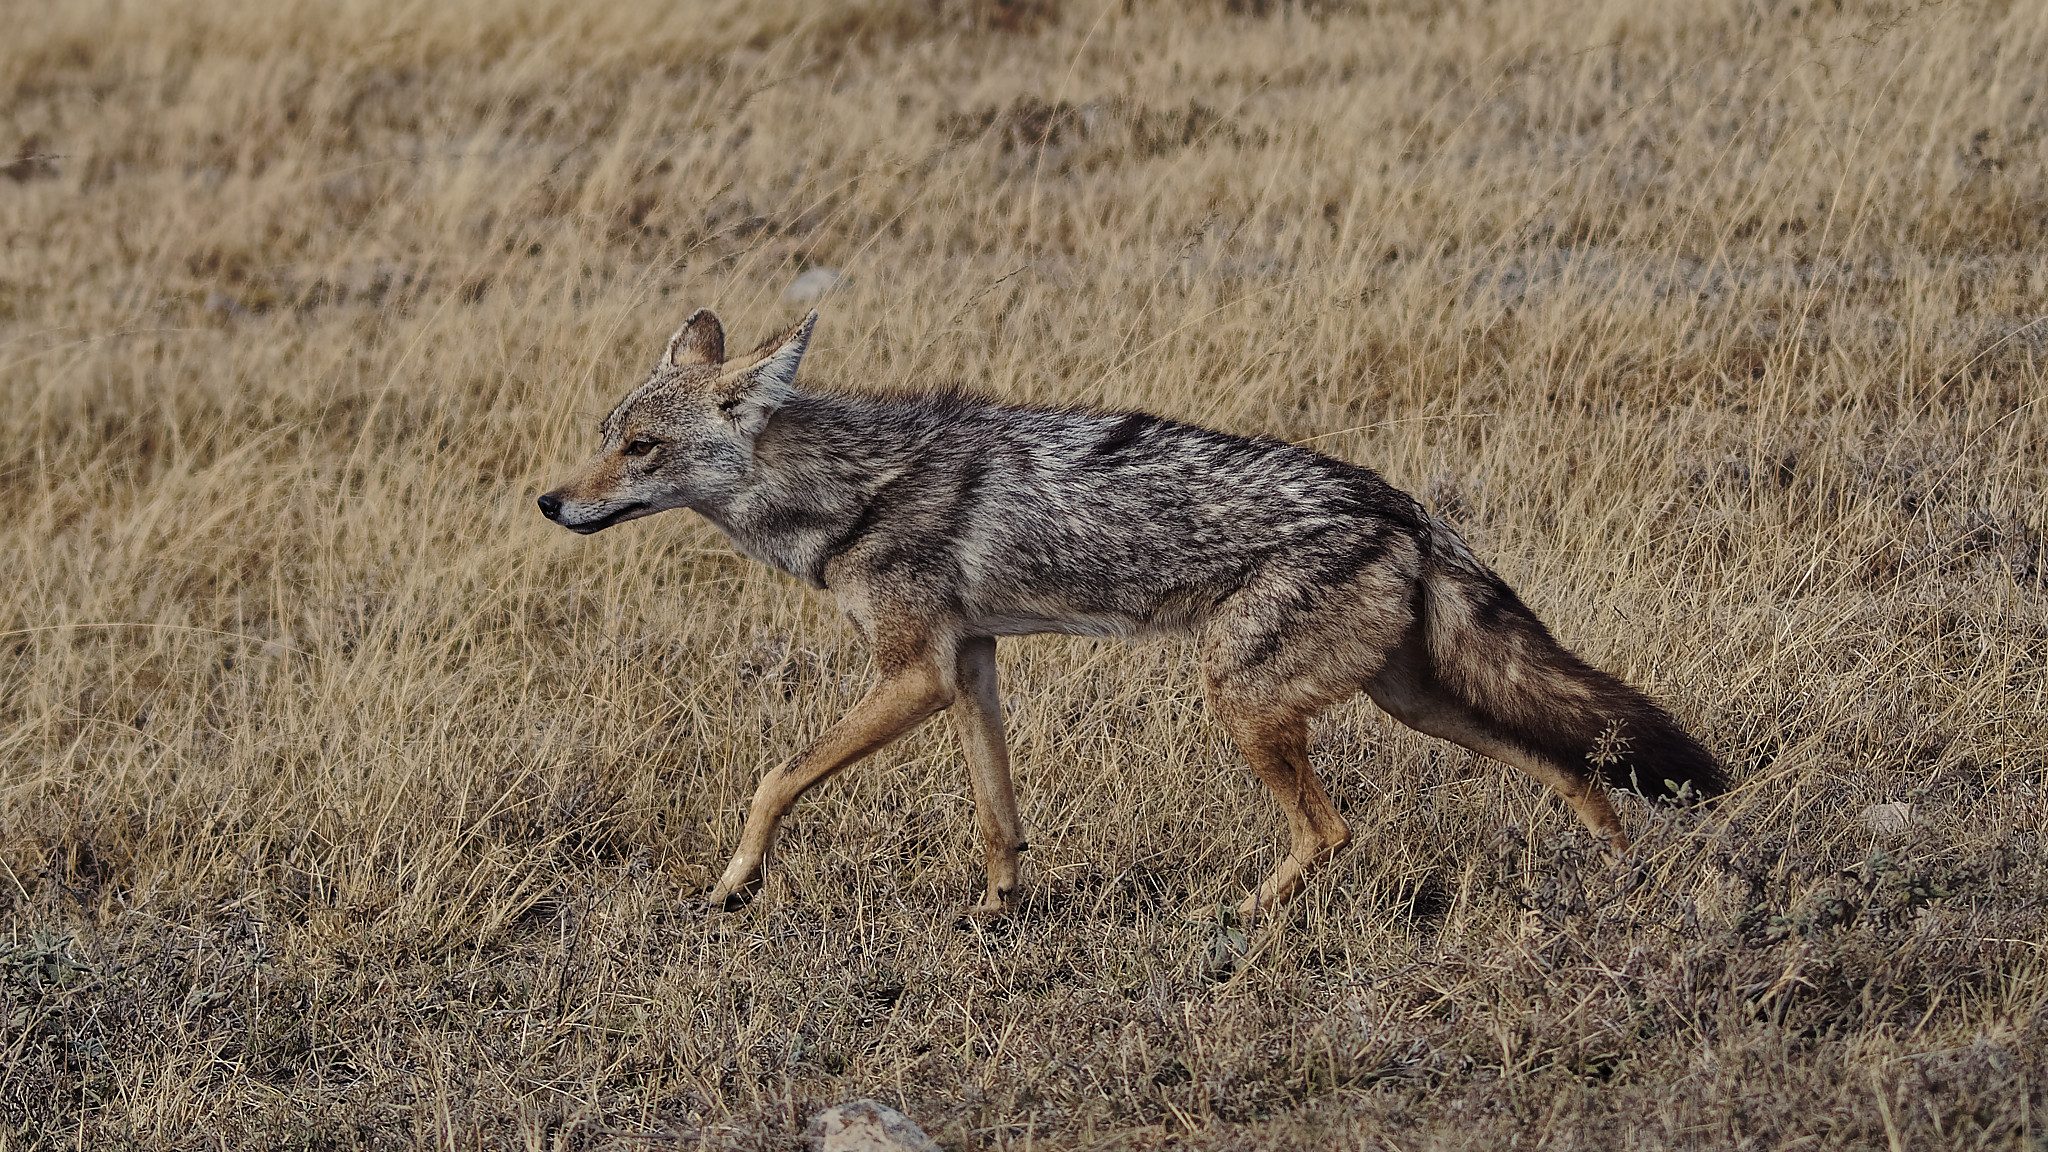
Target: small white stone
(812, 286)
(1889, 819)
(868, 1126)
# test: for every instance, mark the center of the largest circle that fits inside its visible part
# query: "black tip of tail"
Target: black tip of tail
(1659, 762)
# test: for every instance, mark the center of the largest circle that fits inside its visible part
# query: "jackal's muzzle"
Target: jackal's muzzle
(551, 507)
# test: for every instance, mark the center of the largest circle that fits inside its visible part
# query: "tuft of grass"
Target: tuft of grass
(345, 803)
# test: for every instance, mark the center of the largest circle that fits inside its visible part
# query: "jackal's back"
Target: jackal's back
(1064, 520)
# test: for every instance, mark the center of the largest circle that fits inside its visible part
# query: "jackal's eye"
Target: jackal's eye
(638, 448)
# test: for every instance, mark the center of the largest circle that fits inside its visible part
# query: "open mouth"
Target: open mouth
(604, 522)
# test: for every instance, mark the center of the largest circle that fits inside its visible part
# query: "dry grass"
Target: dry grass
(346, 803)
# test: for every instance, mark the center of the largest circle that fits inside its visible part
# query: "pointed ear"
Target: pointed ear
(701, 340)
(763, 380)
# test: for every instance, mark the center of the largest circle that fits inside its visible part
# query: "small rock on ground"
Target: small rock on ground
(1889, 819)
(868, 1126)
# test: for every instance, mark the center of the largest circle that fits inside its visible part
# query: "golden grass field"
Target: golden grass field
(345, 803)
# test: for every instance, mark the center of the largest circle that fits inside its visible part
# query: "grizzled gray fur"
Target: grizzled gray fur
(942, 520)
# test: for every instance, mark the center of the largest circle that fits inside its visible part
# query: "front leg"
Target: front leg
(978, 717)
(906, 696)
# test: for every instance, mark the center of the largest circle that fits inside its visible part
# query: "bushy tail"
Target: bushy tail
(1492, 653)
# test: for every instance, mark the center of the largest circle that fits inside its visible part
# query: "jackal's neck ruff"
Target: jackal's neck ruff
(817, 472)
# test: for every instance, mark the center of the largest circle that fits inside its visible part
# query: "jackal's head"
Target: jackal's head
(685, 436)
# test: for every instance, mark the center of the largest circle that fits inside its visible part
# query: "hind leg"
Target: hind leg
(1409, 691)
(1275, 743)
(1287, 646)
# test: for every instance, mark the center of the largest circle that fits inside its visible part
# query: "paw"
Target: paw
(995, 906)
(737, 885)
(723, 899)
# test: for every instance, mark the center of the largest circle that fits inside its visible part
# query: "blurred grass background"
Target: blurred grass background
(345, 803)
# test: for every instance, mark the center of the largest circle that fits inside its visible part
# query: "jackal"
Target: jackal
(940, 521)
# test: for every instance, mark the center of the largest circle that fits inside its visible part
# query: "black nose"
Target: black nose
(550, 505)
